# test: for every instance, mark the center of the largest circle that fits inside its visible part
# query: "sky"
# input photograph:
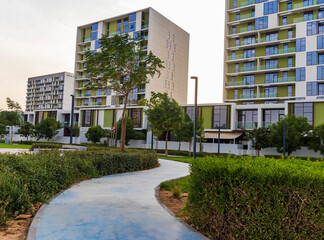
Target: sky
(38, 37)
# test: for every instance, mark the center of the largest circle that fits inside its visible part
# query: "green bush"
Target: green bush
(257, 198)
(32, 178)
(314, 159)
(46, 146)
(186, 153)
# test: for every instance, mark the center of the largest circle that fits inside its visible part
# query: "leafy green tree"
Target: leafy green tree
(200, 133)
(48, 128)
(26, 130)
(164, 114)
(185, 132)
(108, 133)
(316, 139)
(3, 130)
(260, 137)
(297, 129)
(11, 119)
(130, 132)
(94, 134)
(123, 66)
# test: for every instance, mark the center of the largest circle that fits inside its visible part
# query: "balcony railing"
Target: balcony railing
(244, 16)
(81, 76)
(268, 95)
(145, 26)
(87, 40)
(247, 125)
(244, 96)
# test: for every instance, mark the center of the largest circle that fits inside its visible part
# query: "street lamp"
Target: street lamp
(196, 111)
(72, 113)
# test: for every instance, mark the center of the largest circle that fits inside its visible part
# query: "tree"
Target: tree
(200, 133)
(297, 129)
(48, 128)
(316, 139)
(10, 118)
(12, 105)
(3, 130)
(260, 138)
(164, 114)
(94, 134)
(108, 133)
(26, 130)
(123, 66)
(185, 132)
(130, 132)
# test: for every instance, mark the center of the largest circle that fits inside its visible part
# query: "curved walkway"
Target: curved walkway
(119, 206)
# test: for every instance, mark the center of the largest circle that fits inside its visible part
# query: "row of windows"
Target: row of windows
(270, 7)
(314, 28)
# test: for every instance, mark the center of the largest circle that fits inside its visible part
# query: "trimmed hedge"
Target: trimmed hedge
(31, 178)
(314, 159)
(257, 198)
(46, 146)
(185, 153)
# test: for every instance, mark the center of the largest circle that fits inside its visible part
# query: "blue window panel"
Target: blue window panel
(311, 58)
(290, 34)
(289, 91)
(238, 16)
(272, 50)
(260, 1)
(320, 42)
(125, 29)
(235, 94)
(250, 27)
(311, 28)
(97, 44)
(320, 1)
(94, 27)
(237, 67)
(93, 51)
(284, 20)
(321, 58)
(235, 4)
(119, 23)
(270, 7)
(261, 23)
(137, 35)
(271, 78)
(233, 29)
(311, 88)
(308, 16)
(320, 13)
(249, 66)
(249, 53)
(253, 12)
(300, 74)
(271, 64)
(320, 28)
(132, 17)
(289, 5)
(94, 35)
(285, 76)
(248, 80)
(308, 3)
(237, 42)
(290, 62)
(285, 47)
(300, 44)
(320, 73)
(321, 89)
(233, 55)
(132, 27)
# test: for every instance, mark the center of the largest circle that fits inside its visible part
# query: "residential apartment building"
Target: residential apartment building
(49, 96)
(165, 39)
(274, 60)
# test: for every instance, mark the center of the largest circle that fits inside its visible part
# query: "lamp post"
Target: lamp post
(72, 113)
(196, 111)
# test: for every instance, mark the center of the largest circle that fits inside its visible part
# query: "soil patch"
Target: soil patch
(175, 204)
(15, 229)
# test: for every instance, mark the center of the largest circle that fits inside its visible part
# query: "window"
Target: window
(234, 3)
(271, 37)
(320, 42)
(236, 94)
(290, 62)
(87, 93)
(132, 27)
(311, 58)
(261, 23)
(272, 116)
(132, 17)
(249, 27)
(284, 20)
(174, 47)
(233, 55)
(94, 31)
(248, 80)
(311, 28)
(171, 75)
(173, 37)
(308, 16)
(98, 101)
(168, 35)
(285, 48)
(249, 53)
(320, 13)
(136, 116)
(237, 42)
(97, 44)
(300, 74)
(248, 93)
(321, 58)
(311, 88)
(320, 28)
(308, 3)
(321, 89)
(233, 29)
(249, 66)
(247, 103)
(270, 102)
(271, 78)
(290, 34)
(289, 5)
(249, 40)
(300, 44)
(247, 119)
(320, 1)
(289, 91)
(320, 73)
(238, 16)
(271, 92)
(220, 117)
(232, 80)
(270, 64)
(272, 50)
(237, 67)
(270, 7)
(304, 110)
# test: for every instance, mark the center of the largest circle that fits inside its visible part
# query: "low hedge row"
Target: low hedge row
(46, 146)
(31, 178)
(314, 159)
(184, 153)
(257, 198)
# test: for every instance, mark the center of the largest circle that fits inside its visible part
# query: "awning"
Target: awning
(223, 135)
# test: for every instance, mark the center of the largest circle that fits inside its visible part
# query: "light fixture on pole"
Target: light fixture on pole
(196, 112)
(72, 113)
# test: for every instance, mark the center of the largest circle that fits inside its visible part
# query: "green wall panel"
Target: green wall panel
(207, 115)
(318, 113)
(108, 117)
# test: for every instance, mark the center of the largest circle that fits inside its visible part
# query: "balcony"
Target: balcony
(81, 77)
(247, 96)
(246, 125)
(268, 95)
(273, 81)
(145, 26)
(243, 17)
(87, 40)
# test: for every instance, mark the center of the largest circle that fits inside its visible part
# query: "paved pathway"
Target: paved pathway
(120, 206)
(13, 150)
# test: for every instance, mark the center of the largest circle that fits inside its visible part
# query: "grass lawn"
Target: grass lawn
(181, 184)
(19, 146)
(178, 159)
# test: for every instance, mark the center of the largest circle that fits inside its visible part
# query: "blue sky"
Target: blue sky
(38, 37)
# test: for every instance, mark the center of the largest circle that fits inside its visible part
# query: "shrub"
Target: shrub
(257, 198)
(32, 178)
(94, 134)
(46, 146)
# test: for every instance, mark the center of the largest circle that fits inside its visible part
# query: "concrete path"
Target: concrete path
(14, 150)
(120, 206)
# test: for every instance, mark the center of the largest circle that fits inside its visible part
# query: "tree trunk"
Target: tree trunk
(166, 143)
(258, 152)
(179, 146)
(123, 128)
(190, 142)
(11, 134)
